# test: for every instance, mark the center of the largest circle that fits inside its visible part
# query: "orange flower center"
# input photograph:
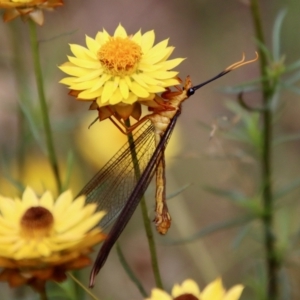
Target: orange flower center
(120, 56)
(21, 1)
(186, 297)
(36, 222)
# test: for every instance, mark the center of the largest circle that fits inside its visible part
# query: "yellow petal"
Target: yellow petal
(73, 70)
(100, 82)
(138, 90)
(190, 286)
(147, 67)
(147, 41)
(8, 239)
(47, 201)
(170, 82)
(88, 95)
(29, 198)
(128, 81)
(170, 64)
(234, 293)
(43, 249)
(214, 291)
(102, 37)
(123, 88)
(139, 80)
(154, 89)
(187, 287)
(67, 81)
(158, 47)
(120, 32)
(62, 203)
(7, 227)
(147, 79)
(79, 86)
(82, 52)
(89, 76)
(169, 52)
(156, 57)
(7, 207)
(84, 63)
(157, 294)
(137, 37)
(163, 74)
(108, 90)
(92, 45)
(84, 226)
(116, 97)
(130, 99)
(64, 224)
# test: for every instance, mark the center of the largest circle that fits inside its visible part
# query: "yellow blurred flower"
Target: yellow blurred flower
(40, 239)
(189, 290)
(117, 71)
(37, 173)
(28, 8)
(96, 140)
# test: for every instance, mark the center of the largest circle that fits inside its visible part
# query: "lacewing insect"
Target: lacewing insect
(119, 186)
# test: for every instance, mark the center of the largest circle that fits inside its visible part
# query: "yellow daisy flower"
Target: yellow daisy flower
(117, 71)
(41, 238)
(27, 8)
(189, 290)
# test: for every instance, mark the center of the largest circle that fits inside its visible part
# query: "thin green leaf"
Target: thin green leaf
(285, 285)
(178, 192)
(252, 205)
(287, 189)
(204, 125)
(286, 139)
(240, 236)
(264, 48)
(257, 281)
(66, 289)
(33, 126)
(293, 79)
(67, 33)
(79, 292)
(233, 195)
(6, 175)
(130, 273)
(212, 229)
(276, 34)
(248, 86)
(293, 89)
(294, 66)
(70, 165)
(250, 133)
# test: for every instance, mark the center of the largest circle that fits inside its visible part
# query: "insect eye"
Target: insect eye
(191, 91)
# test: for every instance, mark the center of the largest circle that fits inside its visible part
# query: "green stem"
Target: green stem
(272, 264)
(147, 223)
(130, 273)
(43, 103)
(82, 286)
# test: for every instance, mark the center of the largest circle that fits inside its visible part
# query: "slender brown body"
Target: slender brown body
(161, 121)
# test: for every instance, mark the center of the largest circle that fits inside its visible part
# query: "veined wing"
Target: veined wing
(113, 184)
(133, 200)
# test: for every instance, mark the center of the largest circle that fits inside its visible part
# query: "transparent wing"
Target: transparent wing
(146, 172)
(113, 184)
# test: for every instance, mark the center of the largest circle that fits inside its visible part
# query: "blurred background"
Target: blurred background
(211, 34)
